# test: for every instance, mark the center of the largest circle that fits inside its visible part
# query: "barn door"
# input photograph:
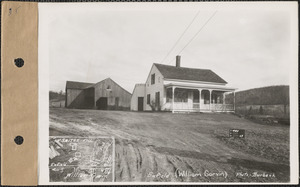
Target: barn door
(117, 103)
(102, 103)
(140, 103)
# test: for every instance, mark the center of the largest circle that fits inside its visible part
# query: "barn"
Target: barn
(104, 95)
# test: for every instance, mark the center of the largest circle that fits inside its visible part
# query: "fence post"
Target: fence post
(173, 93)
(234, 101)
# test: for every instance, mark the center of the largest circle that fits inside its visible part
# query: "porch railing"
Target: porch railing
(222, 107)
(197, 107)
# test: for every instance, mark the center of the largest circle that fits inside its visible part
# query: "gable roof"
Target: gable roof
(113, 82)
(192, 74)
(77, 85)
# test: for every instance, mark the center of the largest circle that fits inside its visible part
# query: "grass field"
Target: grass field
(183, 147)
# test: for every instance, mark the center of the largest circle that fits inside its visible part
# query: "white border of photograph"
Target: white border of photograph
(48, 11)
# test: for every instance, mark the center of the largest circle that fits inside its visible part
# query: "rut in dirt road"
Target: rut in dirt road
(135, 162)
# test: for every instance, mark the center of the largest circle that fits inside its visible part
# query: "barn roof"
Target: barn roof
(192, 74)
(77, 85)
(114, 83)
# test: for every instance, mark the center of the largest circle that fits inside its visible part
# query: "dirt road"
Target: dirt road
(183, 147)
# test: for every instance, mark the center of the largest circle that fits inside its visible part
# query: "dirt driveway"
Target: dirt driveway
(183, 147)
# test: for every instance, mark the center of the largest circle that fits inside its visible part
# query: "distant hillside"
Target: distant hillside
(271, 95)
(56, 96)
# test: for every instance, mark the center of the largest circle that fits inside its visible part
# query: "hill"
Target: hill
(271, 95)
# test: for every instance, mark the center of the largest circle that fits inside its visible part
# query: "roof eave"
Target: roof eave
(204, 87)
(194, 81)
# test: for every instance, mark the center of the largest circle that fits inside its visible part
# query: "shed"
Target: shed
(137, 99)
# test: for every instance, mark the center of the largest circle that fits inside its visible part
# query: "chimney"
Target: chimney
(178, 61)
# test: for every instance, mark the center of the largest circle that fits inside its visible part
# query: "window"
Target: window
(180, 95)
(195, 96)
(153, 78)
(148, 98)
(206, 96)
(169, 95)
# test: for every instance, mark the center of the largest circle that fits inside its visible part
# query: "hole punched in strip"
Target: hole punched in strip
(19, 62)
(19, 140)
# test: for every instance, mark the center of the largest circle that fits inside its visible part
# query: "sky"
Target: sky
(248, 48)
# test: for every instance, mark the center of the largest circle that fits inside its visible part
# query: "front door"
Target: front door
(140, 103)
(102, 103)
(157, 100)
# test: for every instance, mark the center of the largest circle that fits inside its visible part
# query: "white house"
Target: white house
(181, 89)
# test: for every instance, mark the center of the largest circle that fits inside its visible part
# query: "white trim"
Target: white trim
(191, 81)
(200, 86)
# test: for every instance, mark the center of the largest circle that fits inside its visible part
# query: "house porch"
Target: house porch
(201, 99)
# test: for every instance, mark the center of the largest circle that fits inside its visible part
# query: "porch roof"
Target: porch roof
(200, 86)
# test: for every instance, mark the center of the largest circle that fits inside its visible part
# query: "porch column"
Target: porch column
(210, 92)
(173, 93)
(165, 96)
(234, 101)
(199, 99)
(224, 98)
